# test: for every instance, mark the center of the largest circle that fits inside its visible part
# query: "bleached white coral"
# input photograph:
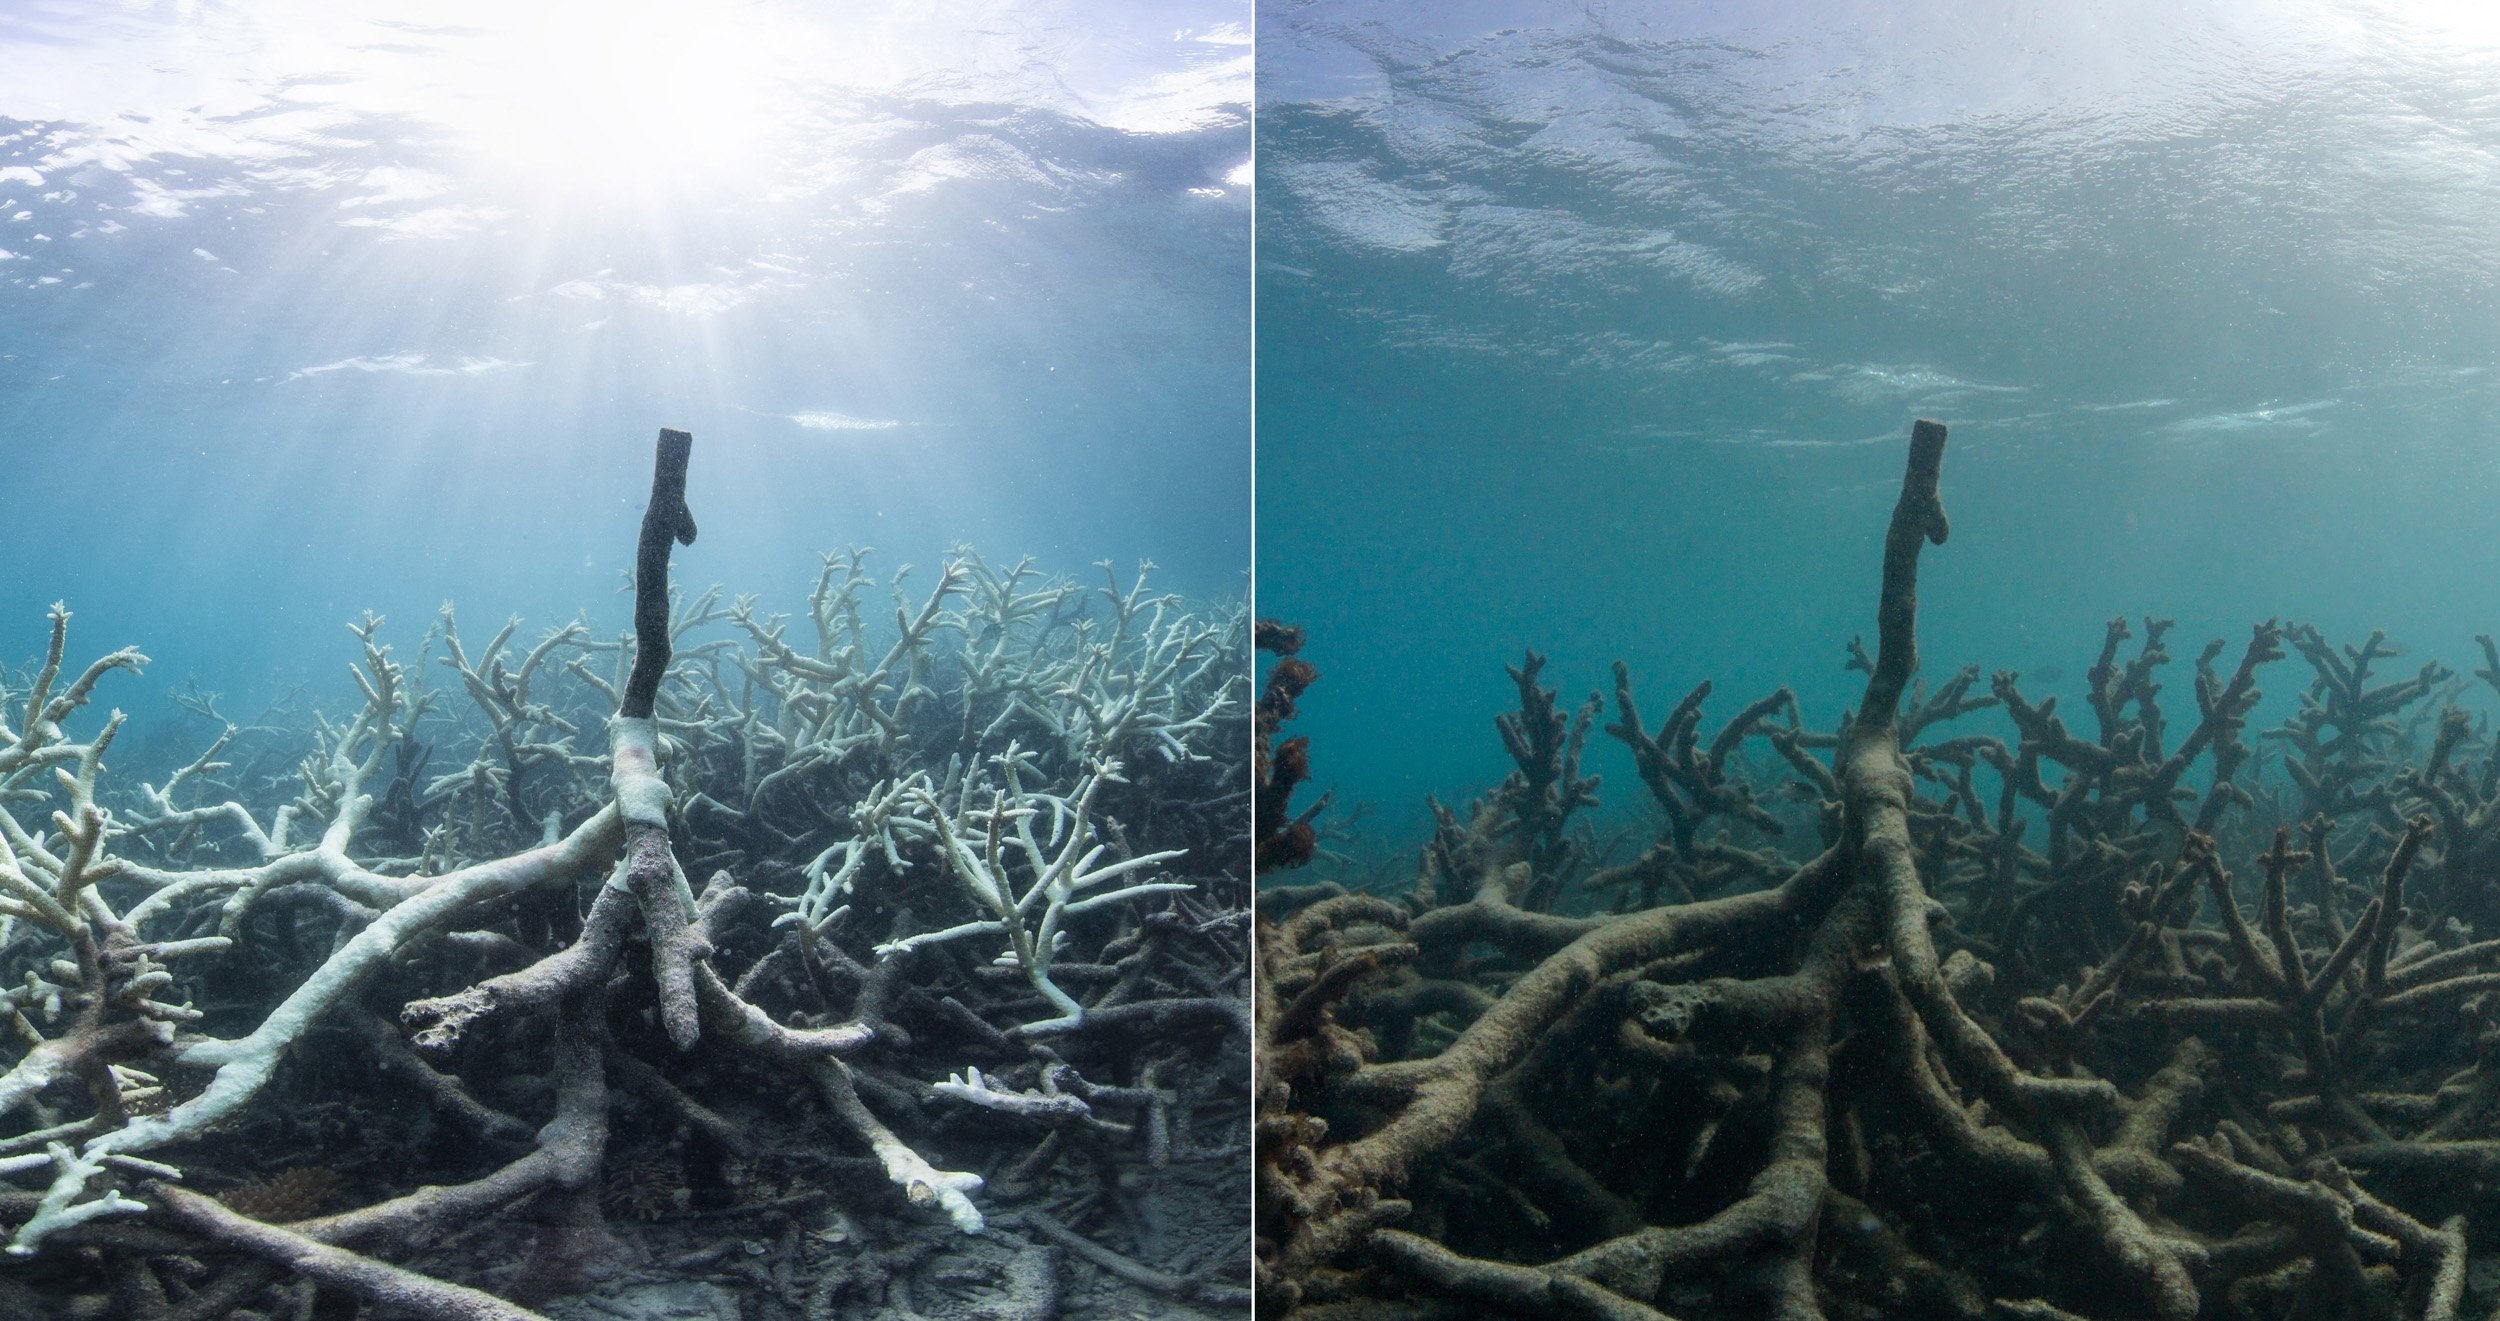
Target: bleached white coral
(1028, 691)
(1029, 883)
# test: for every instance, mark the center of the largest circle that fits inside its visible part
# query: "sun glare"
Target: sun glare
(2450, 22)
(601, 95)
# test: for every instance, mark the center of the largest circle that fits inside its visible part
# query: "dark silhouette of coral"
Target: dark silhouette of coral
(1280, 838)
(1863, 1034)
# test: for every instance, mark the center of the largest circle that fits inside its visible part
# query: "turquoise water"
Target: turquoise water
(304, 313)
(1600, 331)
(313, 311)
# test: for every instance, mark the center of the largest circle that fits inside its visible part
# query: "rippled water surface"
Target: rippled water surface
(307, 308)
(1598, 329)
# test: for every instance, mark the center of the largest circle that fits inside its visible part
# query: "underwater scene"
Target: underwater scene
(1877, 674)
(625, 664)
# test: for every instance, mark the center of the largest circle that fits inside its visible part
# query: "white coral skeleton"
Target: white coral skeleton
(412, 863)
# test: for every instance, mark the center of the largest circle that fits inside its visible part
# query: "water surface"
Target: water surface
(310, 309)
(1600, 329)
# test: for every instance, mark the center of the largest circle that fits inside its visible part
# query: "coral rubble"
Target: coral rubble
(2150, 1018)
(863, 973)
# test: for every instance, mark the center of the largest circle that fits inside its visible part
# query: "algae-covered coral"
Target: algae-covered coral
(1952, 1010)
(779, 968)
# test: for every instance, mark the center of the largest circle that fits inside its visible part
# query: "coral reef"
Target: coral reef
(865, 972)
(1281, 838)
(2152, 1018)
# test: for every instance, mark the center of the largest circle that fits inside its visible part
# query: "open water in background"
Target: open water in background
(306, 311)
(1599, 329)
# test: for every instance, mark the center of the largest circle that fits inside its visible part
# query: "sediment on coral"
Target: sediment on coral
(803, 968)
(1952, 1009)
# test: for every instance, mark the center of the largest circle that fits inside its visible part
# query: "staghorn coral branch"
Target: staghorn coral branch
(1715, 984)
(377, 878)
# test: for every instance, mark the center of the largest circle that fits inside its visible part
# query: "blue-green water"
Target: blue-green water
(1599, 330)
(307, 310)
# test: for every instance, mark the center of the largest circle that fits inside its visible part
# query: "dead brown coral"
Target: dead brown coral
(1849, 928)
(2013, 1049)
(1305, 1216)
(1281, 839)
(289, 1195)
